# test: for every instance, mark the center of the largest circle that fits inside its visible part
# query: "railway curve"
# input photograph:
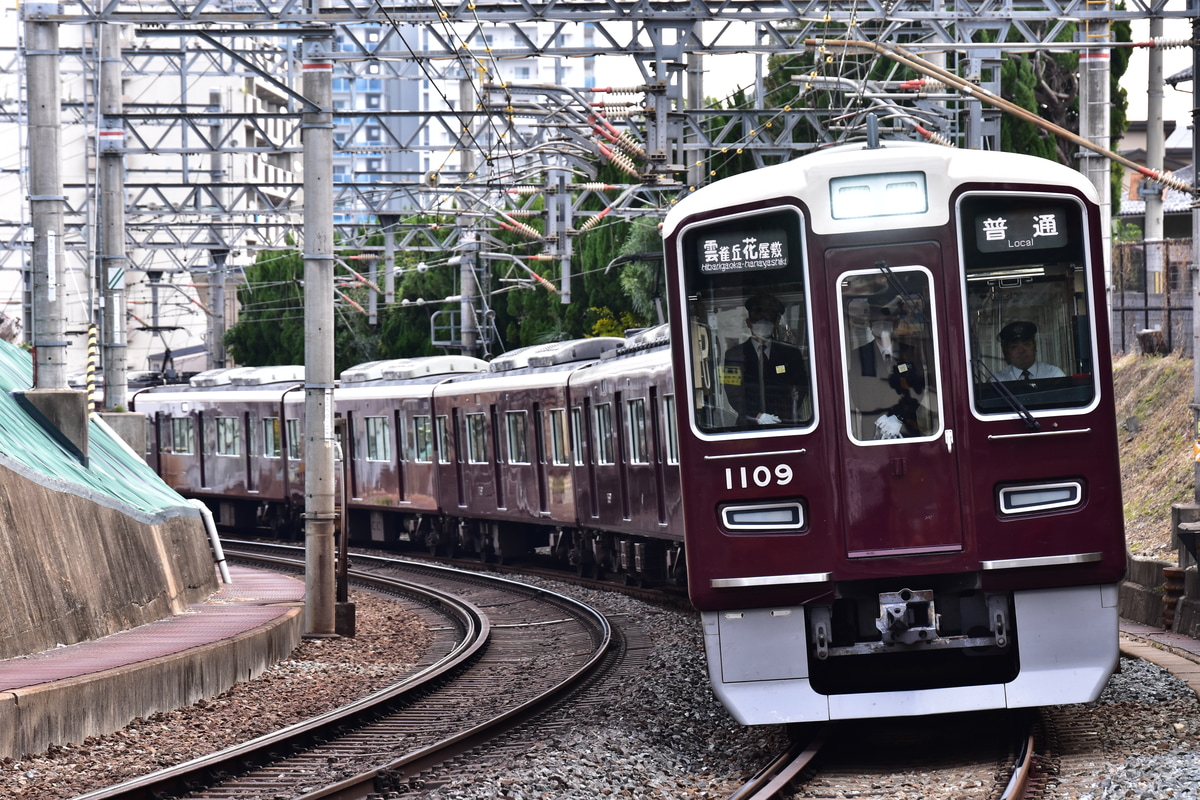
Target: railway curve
(513, 649)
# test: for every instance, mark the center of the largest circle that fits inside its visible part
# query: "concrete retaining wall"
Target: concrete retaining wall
(74, 570)
(1141, 598)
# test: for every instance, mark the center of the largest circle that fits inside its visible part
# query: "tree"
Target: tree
(270, 326)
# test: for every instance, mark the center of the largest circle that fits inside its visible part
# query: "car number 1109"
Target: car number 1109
(761, 476)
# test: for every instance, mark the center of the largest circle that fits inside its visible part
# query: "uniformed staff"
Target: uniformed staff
(765, 379)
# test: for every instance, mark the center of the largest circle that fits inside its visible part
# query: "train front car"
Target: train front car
(901, 486)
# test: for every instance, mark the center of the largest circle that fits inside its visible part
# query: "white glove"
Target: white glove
(767, 419)
(888, 427)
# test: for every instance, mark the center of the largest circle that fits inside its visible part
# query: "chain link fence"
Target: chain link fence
(1152, 296)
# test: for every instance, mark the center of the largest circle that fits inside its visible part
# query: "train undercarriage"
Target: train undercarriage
(592, 553)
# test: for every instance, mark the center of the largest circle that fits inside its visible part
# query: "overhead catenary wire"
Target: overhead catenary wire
(916, 62)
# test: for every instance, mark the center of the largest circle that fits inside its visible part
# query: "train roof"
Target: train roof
(556, 354)
(945, 168)
(407, 369)
(247, 376)
(642, 340)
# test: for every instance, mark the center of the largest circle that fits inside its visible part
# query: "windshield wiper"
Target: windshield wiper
(1016, 405)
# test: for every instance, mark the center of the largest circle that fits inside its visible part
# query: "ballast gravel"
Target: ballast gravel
(657, 732)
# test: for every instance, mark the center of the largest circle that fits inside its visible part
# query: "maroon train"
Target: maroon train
(888, 375)
(567, 447)
(914, 505)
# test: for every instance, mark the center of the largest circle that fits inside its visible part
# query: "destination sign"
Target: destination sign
(764, 249)
(1043, 228)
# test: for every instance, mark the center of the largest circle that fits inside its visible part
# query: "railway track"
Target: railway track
(991, 756)
(504, 652)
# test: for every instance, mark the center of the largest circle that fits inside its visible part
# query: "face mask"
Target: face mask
(762, 329)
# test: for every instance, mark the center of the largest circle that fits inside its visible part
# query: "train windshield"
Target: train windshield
(1025, 267)
(745, 285)
(890, 354)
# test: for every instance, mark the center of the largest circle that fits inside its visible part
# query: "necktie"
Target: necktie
(762, 387)
(1024, 374)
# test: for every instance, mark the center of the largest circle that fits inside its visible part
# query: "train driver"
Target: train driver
(765, 379)
(1018, 342)
(886, 381)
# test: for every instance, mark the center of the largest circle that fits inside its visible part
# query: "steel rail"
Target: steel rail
(472, 639)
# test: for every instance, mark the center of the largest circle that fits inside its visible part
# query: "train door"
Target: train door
(898, 459)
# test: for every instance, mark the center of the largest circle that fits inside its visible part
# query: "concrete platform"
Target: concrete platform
(97, 687)
(1174, 652)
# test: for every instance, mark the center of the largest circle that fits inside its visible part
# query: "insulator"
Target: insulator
(924, 85)
(1163, 43)
(525, 189)
(622, 90)
(624, 113)
(620, 161)
(521, 228)
(593, 187)
(630, 145)
(592, 222)
(1171, 182)
(934, 137)
(522, 213)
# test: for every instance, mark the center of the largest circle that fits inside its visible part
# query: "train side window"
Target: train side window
(294, 446)
(516, 424)
(423, 438)
(183, 435)
(602, 415)
(890, 354)
(1025, 267)
(746, 287)
(229, 436)
(577, 435)
(270, 428)
(559, 451)
(639, 452)
(672, 432)
(477, 441)
(443, 433)
(379, 439)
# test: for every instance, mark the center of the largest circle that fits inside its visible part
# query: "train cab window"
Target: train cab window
(423, 438)
(379, 439)
(559, 452)
(889, 353)
(516, 424)
(443, 434)
(639, 452)
(229, 436)
(670, 430)
(602, 418)
(183, 435)
(271, 445)
(294, 448)
(477, 441)
(1025, 264)
(747, 305)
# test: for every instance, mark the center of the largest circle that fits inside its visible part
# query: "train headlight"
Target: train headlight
(1032, 498)
(763, 517)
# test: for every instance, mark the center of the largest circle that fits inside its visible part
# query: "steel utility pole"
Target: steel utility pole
(320, 511)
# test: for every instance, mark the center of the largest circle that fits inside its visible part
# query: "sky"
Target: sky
(723, 74)
(1177, 104)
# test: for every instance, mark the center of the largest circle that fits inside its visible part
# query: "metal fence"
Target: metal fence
(1152, 296)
